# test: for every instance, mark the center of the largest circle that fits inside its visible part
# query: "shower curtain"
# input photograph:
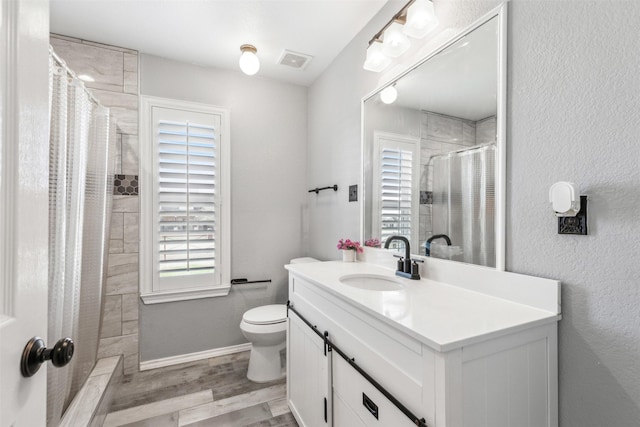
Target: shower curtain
(80, 172)
(464, 203)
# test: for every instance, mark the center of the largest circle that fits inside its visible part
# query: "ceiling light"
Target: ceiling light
(389, 95)
(376, 60)
(395, 42)
(249, 62)
(421, 19)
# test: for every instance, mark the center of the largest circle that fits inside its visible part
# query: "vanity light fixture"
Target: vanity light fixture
(416, 19)
(395, 42)
(421, 19)
(249, 62)
(376, 60)
(389, 94)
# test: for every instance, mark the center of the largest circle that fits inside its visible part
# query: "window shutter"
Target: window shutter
(186, 198)
(184, 213)
(396, 192)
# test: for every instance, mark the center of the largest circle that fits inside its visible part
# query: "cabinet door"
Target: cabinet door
(308, 375)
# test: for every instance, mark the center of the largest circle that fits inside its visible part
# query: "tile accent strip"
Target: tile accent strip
(426, 197)
(125, 185)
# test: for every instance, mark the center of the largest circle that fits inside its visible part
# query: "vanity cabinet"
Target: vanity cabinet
(506, 379)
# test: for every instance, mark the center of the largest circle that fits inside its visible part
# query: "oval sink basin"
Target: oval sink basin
(371, 282)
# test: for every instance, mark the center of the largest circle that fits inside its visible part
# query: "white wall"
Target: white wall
(268, 194)
(573, 96)
(573, 88)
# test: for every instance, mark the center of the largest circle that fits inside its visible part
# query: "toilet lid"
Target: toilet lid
(266, 314)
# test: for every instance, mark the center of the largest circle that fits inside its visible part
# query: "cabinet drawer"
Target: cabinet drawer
(343, 416)
(360, 396)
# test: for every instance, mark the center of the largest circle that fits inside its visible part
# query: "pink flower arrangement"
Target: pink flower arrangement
(349, 245)
(372, 243)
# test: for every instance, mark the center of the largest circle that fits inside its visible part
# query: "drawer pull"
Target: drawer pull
(371, 407)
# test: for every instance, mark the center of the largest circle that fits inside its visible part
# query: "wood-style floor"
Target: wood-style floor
(213, 392)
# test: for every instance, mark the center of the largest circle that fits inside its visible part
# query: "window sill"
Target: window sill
(184, 295)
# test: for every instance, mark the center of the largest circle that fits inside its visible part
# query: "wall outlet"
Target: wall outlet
(353, 193)
(575, 224)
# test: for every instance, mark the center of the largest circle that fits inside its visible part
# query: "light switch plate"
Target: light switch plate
(353, 193)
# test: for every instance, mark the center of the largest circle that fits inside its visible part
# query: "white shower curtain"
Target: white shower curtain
(464, 203)
(80, 177)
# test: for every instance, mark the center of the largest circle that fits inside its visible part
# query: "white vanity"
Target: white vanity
(479, 350)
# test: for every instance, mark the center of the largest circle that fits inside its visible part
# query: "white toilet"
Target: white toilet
(266, 328)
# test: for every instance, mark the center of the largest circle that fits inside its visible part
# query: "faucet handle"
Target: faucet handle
(399, 256)
(417, 260)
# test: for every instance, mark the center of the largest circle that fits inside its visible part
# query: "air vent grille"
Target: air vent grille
(294, 59)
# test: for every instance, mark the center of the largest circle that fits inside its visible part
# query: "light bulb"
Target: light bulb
(389, 95)
(421, 19)
(376, 60)
(395, 41)
(249, 62)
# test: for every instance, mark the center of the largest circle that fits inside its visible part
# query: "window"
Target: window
(184, 212)
(396, 190)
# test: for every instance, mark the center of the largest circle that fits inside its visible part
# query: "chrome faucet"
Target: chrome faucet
(405, 267)
(427, 246)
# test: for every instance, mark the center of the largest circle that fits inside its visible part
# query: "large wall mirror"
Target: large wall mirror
(434, 150)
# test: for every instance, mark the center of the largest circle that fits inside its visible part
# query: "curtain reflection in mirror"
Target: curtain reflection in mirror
(464, 205)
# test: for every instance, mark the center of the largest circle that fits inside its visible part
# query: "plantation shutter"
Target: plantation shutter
(396, 174)
(187, 198)
(396, 192)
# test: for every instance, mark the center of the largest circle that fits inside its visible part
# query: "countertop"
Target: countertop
(441, 316)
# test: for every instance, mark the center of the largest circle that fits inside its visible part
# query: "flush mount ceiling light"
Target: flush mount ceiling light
(249, 62)
(416, 19)
(389, 94)
(376, 60)
(421, 19)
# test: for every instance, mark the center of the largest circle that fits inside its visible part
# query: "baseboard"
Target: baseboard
(192, 357)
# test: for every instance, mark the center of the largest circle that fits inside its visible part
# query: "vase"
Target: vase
(348, 255)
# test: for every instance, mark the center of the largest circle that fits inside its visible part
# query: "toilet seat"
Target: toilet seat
(266, 315)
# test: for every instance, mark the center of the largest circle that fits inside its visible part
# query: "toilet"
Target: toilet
(266, 328)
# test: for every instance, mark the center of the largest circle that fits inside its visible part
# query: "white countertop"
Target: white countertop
(442, 316)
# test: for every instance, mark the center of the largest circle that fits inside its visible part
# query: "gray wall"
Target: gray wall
(573, 87)
(268, 194)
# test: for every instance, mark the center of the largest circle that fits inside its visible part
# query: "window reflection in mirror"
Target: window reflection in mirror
(430, 155)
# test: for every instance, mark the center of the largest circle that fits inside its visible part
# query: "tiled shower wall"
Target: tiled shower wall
(115, 71)
(441, 134)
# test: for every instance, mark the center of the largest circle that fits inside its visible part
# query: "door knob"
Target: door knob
(35, 353)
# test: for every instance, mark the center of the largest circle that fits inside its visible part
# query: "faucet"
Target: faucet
(427, 246)
(405, 267)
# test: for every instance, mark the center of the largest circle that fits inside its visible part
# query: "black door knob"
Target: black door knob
(35, 353)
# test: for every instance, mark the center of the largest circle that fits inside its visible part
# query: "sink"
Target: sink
(371, 282)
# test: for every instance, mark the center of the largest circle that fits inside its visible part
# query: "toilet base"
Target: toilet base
(264, 363)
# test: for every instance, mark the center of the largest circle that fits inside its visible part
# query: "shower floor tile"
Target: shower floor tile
(213, 392)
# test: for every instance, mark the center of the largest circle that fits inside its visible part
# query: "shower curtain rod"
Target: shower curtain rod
(73, 75)
(462, 150)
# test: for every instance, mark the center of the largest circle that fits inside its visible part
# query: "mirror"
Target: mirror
(433, 150)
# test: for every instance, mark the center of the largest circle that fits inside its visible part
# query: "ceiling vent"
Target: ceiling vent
(294, 59)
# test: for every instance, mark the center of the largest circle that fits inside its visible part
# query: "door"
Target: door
(24, 166)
